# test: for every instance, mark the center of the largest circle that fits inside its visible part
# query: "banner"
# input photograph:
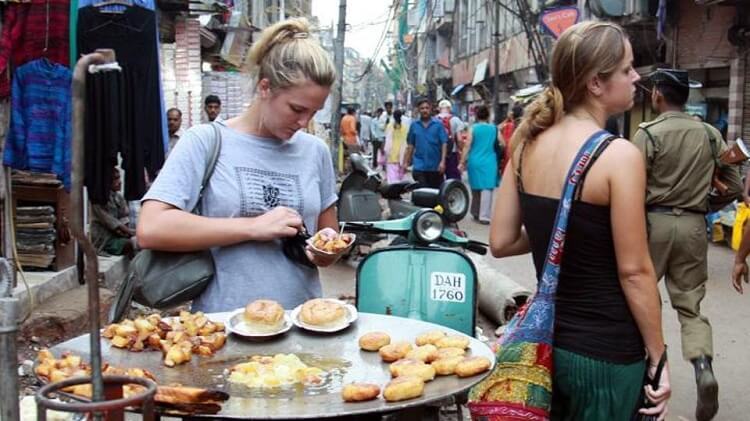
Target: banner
(556, 21)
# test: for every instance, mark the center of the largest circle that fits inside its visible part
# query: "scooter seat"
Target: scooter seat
(396, 190)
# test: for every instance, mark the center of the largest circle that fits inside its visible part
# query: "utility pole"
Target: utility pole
(496, 83)
(338, 58)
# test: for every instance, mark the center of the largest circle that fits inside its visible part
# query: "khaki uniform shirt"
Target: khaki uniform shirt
(680, 160)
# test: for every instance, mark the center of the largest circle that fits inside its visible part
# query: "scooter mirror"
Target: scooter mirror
(454, 198)
(359, 163)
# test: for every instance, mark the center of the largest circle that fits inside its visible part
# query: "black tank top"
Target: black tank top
(592, 317)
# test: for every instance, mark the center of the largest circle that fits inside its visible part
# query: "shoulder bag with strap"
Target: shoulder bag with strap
(162, 279)
(520, 385)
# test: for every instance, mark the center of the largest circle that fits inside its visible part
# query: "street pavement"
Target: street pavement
(728, 312)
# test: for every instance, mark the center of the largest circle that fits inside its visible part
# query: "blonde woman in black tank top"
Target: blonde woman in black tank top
(608, 319)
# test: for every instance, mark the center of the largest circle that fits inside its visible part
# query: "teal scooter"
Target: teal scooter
(424, 274)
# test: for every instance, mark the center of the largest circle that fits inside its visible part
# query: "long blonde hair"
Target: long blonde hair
(584, 50)
(286, 55)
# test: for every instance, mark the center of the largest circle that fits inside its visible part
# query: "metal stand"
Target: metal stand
(9, 316)
(107, 398)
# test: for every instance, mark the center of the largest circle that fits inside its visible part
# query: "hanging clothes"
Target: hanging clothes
(39, 138)
(132, 34)
(34, 30)
(105, 130)
(146, 4)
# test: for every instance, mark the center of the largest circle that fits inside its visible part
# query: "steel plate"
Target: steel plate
(337, 353)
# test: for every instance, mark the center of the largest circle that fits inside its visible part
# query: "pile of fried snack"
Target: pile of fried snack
(178, 337)
(435, 353)
(177, 399)
(330, 242)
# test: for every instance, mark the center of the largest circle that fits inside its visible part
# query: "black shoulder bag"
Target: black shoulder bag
(162, 279)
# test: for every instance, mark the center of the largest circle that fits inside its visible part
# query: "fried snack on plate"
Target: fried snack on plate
(373, 341)
(407, 367)
(446, 366)
(323, 313)
(453, 341)
(329, 241)
(171, 336)
(430, 337)
(426, 353)
(264, 316)
(450, 352)
(360, 392)
(471, 366)
(403, 388)
(395, 351)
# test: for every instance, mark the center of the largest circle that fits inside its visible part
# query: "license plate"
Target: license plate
(449, 287)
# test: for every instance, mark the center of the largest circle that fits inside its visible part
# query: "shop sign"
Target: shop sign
(556, 21)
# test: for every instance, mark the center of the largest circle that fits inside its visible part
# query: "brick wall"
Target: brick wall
(702, 37)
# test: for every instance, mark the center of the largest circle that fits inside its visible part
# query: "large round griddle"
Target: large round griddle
(338, 353)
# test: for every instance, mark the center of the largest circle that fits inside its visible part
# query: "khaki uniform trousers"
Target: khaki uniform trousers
(679, 247)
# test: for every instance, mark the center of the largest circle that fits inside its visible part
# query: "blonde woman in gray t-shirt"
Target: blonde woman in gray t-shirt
(270, 179)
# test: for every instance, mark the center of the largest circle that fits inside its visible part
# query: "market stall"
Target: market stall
(338, 354)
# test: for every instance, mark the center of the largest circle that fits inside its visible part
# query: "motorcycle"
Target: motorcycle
(427, 276)
(362, 189)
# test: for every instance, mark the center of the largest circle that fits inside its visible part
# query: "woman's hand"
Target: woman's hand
(277, 223)
(462, 166)
(739, 274)
(321, 261)
(660, 396)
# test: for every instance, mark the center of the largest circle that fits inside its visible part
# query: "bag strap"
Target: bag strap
(586, 155)
(712, 143)
(213, 157)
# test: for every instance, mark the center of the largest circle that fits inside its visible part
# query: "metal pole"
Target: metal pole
(496, 83)
(9, 315)
(8, 245)
(76, 218)
(338, 59)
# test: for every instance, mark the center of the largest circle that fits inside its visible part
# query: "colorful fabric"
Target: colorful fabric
(520, 385)
(481, 163)
(349, 129)
(40, 133)
(31, 31)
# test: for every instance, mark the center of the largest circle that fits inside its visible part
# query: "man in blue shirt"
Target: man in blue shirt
(427, 145)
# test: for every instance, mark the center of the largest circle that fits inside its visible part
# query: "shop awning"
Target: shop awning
(480, 71)
(457, 89)
(523, 94)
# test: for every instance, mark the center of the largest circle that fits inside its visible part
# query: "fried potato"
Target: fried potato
(425, 353)
(403, 388)
(409, 367)
(394, 351)
(450, 352)
(471, 366)
(446, 366)
(430, 337)
(373, 341)
(453, 341)
(360, 392)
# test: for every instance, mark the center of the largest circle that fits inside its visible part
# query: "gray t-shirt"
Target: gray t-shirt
(252, 176)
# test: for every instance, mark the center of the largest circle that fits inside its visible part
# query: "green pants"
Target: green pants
(679, 247)
(585, 389)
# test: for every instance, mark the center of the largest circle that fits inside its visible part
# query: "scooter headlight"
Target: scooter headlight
(427, 225)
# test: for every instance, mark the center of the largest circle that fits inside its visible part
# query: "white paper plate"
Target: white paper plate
(352, 315)
(327, 254)
(236, 324)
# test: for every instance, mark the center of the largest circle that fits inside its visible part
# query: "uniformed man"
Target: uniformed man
(681, 155)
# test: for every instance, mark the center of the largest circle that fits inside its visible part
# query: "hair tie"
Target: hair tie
(300, 35)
